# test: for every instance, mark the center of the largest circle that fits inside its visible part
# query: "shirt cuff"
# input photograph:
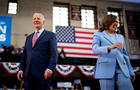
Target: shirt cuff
(49, 70)
(20, 71)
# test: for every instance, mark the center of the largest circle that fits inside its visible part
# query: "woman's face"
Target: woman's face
(113, 26)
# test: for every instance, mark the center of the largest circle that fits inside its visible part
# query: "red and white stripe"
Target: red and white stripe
(83, 46)
(86, 70)
(65, 70)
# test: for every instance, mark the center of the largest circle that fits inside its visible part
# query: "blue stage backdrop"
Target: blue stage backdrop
(5, 30)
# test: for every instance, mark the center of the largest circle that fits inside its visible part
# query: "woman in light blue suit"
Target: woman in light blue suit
(113, 68)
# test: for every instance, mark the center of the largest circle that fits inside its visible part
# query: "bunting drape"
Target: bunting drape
(63, 70)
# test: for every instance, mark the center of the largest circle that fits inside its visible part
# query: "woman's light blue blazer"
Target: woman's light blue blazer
(105, 66)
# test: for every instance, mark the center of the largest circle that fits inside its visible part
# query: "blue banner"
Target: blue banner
(5, 30)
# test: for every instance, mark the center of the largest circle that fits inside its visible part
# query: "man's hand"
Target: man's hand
(20, 76)
(47, 73)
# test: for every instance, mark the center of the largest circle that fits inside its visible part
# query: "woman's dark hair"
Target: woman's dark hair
(106, 22)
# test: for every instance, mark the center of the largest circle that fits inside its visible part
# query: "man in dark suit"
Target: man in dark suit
(39, 57)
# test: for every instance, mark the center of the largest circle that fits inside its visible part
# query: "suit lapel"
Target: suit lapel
(118, 38)
(107, 37)
(31, 37)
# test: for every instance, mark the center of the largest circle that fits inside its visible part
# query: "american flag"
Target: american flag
(75, 41)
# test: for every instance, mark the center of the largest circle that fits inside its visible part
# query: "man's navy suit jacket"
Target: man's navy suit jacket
(40, 57)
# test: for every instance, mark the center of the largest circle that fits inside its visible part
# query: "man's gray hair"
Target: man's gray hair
(41, 15)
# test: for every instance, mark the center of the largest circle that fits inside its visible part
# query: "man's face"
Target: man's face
(38, 21)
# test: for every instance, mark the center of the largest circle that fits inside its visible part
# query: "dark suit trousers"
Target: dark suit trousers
(36, 83)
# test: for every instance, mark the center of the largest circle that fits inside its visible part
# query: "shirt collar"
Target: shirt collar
(40, 31)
